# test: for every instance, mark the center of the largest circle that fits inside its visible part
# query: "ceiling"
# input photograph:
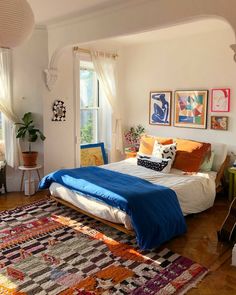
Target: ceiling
(172, 32)
(51, 11)
(177, 31)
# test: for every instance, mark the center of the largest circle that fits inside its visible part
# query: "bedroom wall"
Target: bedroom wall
(28, 62)
(59, 146)
(199, 61)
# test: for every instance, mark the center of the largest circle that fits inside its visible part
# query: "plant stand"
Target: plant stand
(29, 170)
(3, 182)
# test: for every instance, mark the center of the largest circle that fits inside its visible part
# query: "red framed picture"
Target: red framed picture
(220, 100)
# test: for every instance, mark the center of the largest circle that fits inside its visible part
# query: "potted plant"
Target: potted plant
(132, 138)
(28, 132)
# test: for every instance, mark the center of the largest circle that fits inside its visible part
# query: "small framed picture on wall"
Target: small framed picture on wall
(219, 122)
(160, 108)
(220, 100)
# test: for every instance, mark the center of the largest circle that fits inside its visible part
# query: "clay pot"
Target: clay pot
(30, 159)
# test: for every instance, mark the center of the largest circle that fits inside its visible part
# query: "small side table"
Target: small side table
(232, 183)
(130, 155)
(3, 182)
(29, 170)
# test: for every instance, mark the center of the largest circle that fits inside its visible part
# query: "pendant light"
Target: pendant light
(16, 22)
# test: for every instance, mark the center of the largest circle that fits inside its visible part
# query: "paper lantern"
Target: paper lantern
(16, 22)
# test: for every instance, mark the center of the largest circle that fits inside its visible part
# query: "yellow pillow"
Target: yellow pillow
(147, 143)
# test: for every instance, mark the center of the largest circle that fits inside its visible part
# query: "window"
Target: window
(89, 103)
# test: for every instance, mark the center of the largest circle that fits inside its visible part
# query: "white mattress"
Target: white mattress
(195, 193)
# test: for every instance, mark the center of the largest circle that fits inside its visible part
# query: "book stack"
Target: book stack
(234, 255)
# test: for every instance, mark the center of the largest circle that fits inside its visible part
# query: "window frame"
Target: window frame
(95, 108)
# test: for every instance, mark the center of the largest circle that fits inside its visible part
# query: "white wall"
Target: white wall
(59, 146)
(186, 60)
(29, 61)
(199, 61)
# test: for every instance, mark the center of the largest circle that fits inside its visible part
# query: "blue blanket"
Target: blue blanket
(154, 209)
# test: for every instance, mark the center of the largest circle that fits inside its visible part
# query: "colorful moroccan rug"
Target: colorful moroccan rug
(45, 249)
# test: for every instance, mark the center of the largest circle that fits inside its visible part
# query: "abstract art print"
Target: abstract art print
(220, 100)
(219, 123)
(59, 111)
(191, 108)
(160, 108)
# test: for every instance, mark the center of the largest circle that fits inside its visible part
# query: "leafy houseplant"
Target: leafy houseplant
(27, 131)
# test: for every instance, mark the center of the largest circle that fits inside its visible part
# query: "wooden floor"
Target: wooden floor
(200, 244)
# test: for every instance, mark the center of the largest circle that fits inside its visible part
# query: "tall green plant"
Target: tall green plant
(27, 130)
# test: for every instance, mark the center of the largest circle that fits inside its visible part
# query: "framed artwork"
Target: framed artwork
(92, 154)
(160, 108)
(191, 108)
(219, 122)
(59, 111)
(220, 100)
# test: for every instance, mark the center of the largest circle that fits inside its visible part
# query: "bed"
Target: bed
(195, 193)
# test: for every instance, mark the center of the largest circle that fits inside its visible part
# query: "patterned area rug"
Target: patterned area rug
(47, 249)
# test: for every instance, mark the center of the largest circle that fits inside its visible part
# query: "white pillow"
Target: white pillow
(157, 164)
(164, 151)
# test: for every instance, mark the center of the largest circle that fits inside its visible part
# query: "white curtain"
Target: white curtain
(105, 68)
(11, 144)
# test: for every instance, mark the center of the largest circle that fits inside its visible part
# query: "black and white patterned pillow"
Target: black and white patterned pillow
(164, 151)
(160, 165)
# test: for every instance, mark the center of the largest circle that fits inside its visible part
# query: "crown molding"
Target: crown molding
(88, 14)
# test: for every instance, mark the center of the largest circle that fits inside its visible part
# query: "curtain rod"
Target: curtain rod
(84, 50)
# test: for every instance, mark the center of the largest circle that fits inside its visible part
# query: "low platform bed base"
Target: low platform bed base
(112, 224)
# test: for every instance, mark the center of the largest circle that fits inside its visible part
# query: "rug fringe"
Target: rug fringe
(194, 283)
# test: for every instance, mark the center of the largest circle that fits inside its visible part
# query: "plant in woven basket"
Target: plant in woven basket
(132, 137)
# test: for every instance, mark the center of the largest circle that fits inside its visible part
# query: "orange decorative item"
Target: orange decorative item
(30, 158)
(130, 154)
(190, 154)
(147, 143)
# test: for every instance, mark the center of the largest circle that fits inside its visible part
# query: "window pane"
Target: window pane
(88, 128)
(88, 89)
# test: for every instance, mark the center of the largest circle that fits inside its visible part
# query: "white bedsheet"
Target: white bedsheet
(195, 193)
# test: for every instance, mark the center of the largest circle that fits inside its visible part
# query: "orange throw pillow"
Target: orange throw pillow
(164, 140)
(190, 154)
(147, 143)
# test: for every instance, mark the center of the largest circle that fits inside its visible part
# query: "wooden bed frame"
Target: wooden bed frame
(112, 224)
(219, 187)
